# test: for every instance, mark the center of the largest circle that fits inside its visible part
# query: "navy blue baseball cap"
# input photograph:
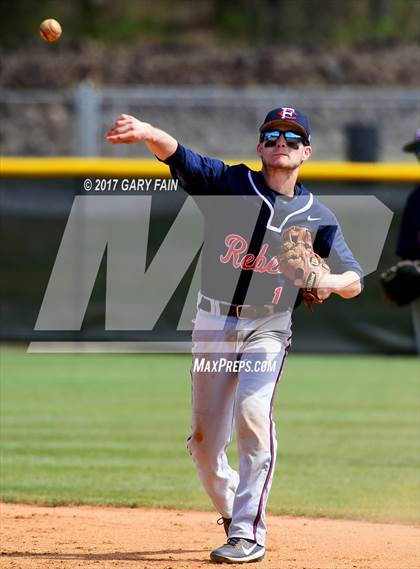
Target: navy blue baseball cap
(287, 117)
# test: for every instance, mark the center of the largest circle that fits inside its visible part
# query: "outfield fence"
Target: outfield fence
(213, 120)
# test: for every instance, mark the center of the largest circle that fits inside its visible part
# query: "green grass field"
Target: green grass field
(112, 429)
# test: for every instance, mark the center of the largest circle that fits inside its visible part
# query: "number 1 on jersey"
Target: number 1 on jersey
(277, 294)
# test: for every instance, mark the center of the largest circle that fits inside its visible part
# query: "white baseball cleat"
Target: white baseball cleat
(238, 550)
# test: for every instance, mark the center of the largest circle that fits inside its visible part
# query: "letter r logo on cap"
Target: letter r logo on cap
(287, 113)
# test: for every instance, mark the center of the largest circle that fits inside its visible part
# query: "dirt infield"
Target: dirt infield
(69, 537)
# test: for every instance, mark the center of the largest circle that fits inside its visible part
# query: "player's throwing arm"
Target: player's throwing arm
(127, 130)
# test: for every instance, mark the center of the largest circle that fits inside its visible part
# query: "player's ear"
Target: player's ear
(307, 151)
(259, 148)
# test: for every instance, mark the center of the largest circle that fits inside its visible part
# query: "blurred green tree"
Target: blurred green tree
(262, 22)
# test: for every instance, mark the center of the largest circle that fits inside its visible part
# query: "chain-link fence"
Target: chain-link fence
(216, 121)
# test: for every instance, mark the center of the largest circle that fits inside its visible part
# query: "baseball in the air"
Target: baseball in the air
(50, 30)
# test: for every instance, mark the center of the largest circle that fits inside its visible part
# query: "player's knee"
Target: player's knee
(197, 445)
(203, 454)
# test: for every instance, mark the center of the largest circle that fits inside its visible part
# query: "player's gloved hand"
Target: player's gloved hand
(299, 263)
(401, 283)
(127, 129)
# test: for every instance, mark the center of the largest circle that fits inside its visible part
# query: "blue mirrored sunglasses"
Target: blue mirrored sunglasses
(270, 138)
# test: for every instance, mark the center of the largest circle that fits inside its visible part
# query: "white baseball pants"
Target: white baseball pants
(236, 367)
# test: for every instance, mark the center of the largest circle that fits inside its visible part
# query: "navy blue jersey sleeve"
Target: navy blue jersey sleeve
(196, 174)
(331, 245)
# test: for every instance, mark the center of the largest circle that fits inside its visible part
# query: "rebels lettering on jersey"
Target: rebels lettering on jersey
(243, 222)
(237, 245)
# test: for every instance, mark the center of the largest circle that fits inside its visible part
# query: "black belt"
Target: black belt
(248, 311)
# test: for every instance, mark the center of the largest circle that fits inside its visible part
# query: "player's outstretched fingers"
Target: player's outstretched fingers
(121, 120)
(120, 129)
(117, 125)
(121, 134)
(128, 130)
(125, 137)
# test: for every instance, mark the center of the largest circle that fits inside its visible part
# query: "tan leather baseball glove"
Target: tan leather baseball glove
(299, 263)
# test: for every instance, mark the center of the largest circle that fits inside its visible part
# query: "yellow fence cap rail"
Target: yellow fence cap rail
(151, 168)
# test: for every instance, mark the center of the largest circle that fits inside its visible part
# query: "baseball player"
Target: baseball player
(268, 245)
(408, 246)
